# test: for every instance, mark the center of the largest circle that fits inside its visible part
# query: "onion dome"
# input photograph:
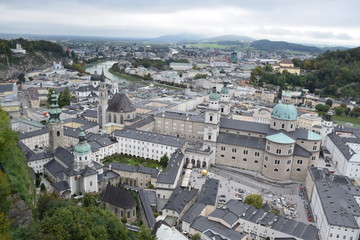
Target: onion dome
(225, 89)
(83, 147)
(213, 95)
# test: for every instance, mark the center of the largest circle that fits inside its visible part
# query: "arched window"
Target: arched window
(109, 117)
(298, 169)
(276, 170)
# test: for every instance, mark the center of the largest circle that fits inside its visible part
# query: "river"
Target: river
(106, 66)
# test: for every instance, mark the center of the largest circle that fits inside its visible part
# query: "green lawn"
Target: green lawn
(134, 161)
(346, 119)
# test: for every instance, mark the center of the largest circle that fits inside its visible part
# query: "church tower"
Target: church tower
(103, 101)
(82, 153)
(225, 100)
(327, 126)
(56, 133)
(212, 120)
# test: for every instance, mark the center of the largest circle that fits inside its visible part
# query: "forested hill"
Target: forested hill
(333, 73)
(39, 54)
(267, 45)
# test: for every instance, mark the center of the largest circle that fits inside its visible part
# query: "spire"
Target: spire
(102, 75)
(54, 109)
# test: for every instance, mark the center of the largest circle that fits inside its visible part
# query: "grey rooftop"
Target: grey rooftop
(157, 138)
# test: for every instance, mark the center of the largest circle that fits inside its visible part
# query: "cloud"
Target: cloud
(320, 20)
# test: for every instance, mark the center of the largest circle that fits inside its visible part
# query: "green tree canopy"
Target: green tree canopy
(164, 161)
(64, 219)
(322, 107)
(329, 102)
(145, 234)
(254, 200)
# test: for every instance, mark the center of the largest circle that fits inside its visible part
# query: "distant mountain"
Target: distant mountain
(228, 38)
(267, 45)
(183, 37)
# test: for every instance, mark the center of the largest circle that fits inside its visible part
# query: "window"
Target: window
(278, 151)
(298, 169)
(299, 161)
(276, 170)
(288, 162)
(268, 148)
(274, 124)
(256, 161)
(128, 214)
(314, 148)
(257, 154)
(222, 148)
(116, 211)
(58, 133)
(233, 157)
(291, 126)
(264, 166)
(288, 169)
(222, 155)
(289, 152)
(234, 150)
(277, 162)
(313, 158)
(266, 158)
(282, 125)
(90, 183)
(246, 151)
(211, 118)
(244, 159)
(209, 137)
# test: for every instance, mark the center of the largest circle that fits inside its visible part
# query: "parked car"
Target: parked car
(328, 165)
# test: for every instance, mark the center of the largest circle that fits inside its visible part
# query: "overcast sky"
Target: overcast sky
(308, 21)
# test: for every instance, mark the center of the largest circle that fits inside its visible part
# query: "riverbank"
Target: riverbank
(144, 82)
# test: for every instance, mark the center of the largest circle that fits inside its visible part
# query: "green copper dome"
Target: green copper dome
(284, 112)
(82, 147)
(213, 95)
(225, 89)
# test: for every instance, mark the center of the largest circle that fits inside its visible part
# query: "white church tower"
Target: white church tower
(225, 100)
(212, 121)
(103, 102)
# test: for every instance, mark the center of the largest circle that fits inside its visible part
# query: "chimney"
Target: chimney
(110, 166)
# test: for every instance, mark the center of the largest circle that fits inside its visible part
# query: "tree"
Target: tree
(21, 77)
(145, 234)
(123, 220)
(196, 236)
(65, 219)
(90, 200)
(65, 97)
(322, 108)
(339, 111)
(164, 161)
(51, 91)
(254, 200)
(329, 102)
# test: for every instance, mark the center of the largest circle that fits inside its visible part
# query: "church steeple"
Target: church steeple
(82, 152)
(54, 110)
(102, 75)
(56, 133)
